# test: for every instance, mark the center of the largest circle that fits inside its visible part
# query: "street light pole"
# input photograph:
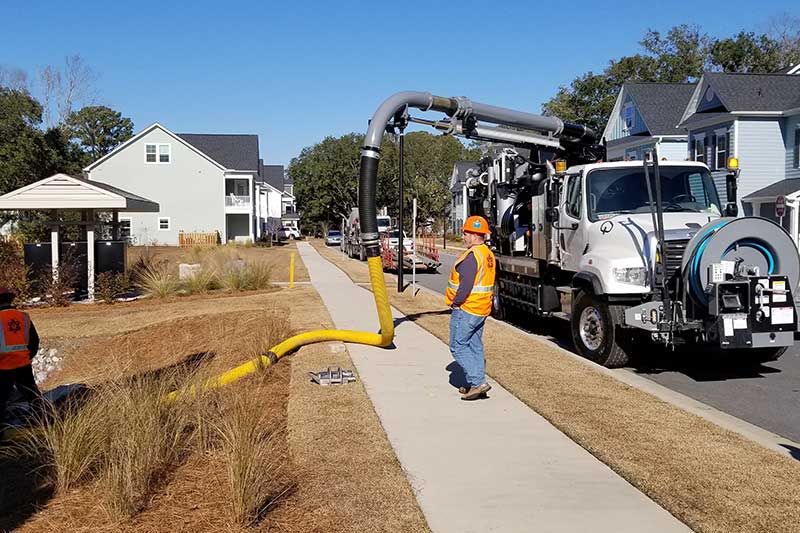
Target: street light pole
(400, 216)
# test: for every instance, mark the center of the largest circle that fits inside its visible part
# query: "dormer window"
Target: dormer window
(627, 116)
(157, 153)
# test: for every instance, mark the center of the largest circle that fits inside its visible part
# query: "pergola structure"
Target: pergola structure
(60, 193)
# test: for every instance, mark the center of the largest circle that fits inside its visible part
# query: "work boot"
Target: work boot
(476, 392)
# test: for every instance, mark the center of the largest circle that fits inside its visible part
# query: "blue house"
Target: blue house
(646, 116)
(754, 117)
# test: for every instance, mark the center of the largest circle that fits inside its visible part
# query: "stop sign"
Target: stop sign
(780, 206)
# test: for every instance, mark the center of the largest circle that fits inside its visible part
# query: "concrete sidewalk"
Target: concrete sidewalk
(487, 465)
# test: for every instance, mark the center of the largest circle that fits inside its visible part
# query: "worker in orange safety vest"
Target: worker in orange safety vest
(19, 343)
(469, 294)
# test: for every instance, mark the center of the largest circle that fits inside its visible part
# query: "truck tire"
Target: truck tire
(597, 332)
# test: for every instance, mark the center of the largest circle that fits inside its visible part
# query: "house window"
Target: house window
(797, 147)
(721, 148)
(157, 153)
(163, 223)
(124, 228)
(628, 117)
(700, 149)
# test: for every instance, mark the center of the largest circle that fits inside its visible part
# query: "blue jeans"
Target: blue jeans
(466, 345)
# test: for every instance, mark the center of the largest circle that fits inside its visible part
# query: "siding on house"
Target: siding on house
(709, 133)
(673, 150)
(762, 155)
(618, 130)
(792, 134)
(190, 190)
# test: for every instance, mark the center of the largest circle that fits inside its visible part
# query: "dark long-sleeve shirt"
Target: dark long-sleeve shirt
(467, 269)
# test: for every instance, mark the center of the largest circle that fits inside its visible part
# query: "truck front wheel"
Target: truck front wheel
(596, 330)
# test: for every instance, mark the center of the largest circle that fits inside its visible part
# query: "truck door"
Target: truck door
(570, 241)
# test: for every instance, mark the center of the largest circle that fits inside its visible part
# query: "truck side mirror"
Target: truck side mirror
(731, 209)
(551, 214)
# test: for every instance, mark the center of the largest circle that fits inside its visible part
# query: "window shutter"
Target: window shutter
(797, 147)
(713, 163)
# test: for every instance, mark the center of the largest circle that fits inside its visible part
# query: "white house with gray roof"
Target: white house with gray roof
(203, 183)
(645, 117)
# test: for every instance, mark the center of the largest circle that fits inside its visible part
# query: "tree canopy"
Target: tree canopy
(326, 175)
(681, 55)
(99, 129)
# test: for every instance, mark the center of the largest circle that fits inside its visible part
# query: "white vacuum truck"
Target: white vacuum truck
(626, 251)
(631, 251)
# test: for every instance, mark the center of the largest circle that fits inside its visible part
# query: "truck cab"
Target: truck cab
(605, 226)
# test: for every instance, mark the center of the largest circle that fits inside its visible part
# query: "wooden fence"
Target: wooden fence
(189, 240)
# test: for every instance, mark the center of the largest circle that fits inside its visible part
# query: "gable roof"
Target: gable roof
(755, 92)
(273, 174)
(768, 94)
(62, 191)
(459, 175)
(234, 152)
(791, 69)
(660, 104)
(779, 188)
(144, 132)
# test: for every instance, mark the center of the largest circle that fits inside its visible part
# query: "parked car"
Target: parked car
(288, 232)
(334, 238)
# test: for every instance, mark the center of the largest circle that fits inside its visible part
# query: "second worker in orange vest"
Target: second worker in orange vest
(469, 294)
(19, 343)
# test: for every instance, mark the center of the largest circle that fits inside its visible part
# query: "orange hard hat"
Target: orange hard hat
(476, 224)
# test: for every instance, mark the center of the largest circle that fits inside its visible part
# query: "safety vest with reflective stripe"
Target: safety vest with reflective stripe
(14, 337)
(479, 301)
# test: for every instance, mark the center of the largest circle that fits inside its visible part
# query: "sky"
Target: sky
(296, 72)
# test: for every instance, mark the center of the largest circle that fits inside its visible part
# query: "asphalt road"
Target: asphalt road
(766, 395)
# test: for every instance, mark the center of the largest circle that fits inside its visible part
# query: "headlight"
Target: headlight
(632, 275)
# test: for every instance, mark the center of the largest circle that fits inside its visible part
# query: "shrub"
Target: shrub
(233, 276)
(203, 281)
(146, 260)
(59, 289)
(109, 286)
(254, 459)
(158, 281)
(14, 274)
(259, 274)
(145, 445)
(71, 441)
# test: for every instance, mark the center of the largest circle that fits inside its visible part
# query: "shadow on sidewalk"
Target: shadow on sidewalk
(793, 451)
(415, 316)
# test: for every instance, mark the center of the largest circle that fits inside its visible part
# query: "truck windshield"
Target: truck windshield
(616, 191)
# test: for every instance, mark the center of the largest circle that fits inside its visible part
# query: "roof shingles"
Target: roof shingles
(234, 152)
(661, 105)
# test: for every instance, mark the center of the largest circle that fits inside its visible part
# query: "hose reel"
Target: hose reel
(755, 242)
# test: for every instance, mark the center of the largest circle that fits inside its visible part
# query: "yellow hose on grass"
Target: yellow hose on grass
(382, 339)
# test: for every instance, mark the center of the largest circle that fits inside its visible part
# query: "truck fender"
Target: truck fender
(588, 279)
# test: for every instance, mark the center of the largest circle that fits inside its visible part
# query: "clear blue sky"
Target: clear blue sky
(294, 72)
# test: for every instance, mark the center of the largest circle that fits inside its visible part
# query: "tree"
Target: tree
(746, 52)
(99, 129)
(326, 179)
(28, 154)
(677, 57)
(784, 29)
(65, 89)
(326, 175)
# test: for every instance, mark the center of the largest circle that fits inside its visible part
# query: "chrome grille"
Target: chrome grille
(673, 255)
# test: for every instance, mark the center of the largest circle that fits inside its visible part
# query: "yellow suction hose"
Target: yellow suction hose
(382, 339)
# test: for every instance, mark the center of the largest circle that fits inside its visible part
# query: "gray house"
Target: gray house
(754, 117)
(277, 177)
(458, 193)
(203, 183)
(646, 116)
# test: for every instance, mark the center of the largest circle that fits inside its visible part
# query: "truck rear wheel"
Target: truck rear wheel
(596, 330)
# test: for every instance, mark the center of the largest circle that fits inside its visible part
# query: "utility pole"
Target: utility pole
(400, 123)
